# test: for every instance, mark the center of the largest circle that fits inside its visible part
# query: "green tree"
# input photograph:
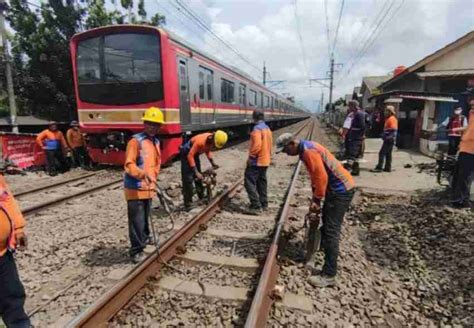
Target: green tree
(40, 47)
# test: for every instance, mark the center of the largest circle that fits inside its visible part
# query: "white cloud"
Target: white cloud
(266, 31)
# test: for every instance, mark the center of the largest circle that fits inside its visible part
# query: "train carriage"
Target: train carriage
(121, 70)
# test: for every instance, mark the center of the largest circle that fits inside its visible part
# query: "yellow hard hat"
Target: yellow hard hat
(154, 115)
(220, 138)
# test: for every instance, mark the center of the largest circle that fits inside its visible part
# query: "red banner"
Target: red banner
(21, 150)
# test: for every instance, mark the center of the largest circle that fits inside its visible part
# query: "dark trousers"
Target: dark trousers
(12, 294)
(334, 208)
(353, 151)
(256, 186)
(55, 161)
(188, 180)
(453, 144)
(385, 155)
(138, 224)
(463, 179)
(80, 157)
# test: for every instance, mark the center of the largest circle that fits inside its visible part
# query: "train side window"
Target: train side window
(202, 96)
(227, 91)
(210, 86)
(253, 98)
(261, 99)
(273, 103)
(242, 94)
(267, 101)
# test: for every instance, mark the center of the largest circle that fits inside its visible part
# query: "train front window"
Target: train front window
(120, 69)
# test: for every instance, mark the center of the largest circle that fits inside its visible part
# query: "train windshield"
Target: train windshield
(120, 69)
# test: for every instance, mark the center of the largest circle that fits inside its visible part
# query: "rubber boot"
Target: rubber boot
(355, 169)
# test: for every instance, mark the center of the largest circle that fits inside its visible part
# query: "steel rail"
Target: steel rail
(55, 184)
(39, 207)
(263, 299)
(106, 307)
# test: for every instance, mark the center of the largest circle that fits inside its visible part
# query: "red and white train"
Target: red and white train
(121, 70)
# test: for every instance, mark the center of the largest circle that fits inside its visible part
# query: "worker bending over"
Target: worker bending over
(333, 189)
(77, 144)
(258, 161)
(54, 145)
(465, 164)
(12, 236)
(389, 138)
(142, 166)
(191, 164)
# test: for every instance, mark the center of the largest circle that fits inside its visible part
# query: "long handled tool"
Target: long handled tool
(313, 226)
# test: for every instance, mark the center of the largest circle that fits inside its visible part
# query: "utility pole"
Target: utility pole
(322, 102)
(331, 80)
(264, 74)
(8, 68)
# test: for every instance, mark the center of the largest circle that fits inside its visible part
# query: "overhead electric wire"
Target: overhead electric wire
(298, 30)
(199, 22)
(337, 27)
(374, 34)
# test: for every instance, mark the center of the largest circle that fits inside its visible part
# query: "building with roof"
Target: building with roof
(369, 88)
(425, 93)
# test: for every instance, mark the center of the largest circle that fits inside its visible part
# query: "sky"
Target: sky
(290, 36)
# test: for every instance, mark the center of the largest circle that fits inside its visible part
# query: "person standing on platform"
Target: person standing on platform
(333, 190)
(452, 123)
(12, 237)
(355, 136)
(389, 138)
(54, 145)
(77, 144)
(142, 166)
(465, 164)
(259, 159)
(191, 164)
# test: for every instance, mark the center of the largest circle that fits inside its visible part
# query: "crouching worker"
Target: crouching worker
(12, 293)
(142, 166)
(191, 173)
(257, 164)
(333, 190)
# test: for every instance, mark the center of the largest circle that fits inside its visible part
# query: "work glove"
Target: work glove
(22, 241)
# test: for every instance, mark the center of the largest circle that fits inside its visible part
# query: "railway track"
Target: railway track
(201, 247)
(81, 185)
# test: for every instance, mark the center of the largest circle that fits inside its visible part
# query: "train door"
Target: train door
(184, 103)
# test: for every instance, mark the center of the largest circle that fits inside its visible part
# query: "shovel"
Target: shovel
(313, 236)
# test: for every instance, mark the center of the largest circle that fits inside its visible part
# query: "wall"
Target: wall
(459, 58)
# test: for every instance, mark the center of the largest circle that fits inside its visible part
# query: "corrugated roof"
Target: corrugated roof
(457, 72)
(372, 82)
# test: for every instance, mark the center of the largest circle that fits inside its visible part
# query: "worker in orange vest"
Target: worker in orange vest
(77, 144)
(54, 145)
(12, 237)
(389, 137)
(333, 190)
(259, 159)
(142, 166)
(191, 164)
(465, 164)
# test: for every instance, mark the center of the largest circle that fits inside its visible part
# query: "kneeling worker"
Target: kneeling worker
(142, 166)
(332, 186)
(12, 292)
(191, 164)
(257, 163)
